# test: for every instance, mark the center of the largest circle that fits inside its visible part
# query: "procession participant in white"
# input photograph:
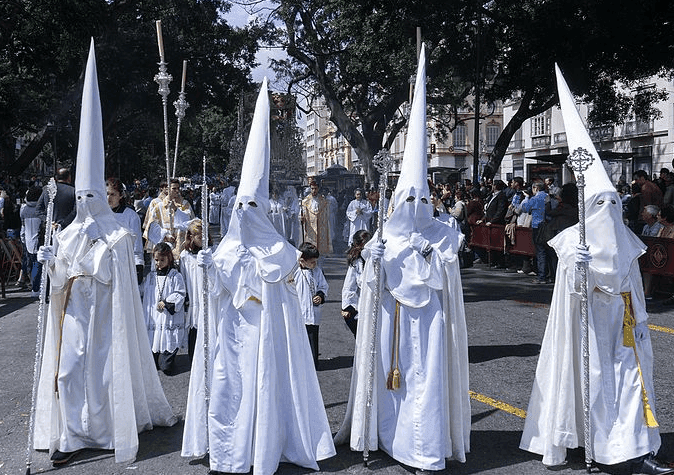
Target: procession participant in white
(128, 218)
(227, 195)
(292, 204)
(164, 306)
(359, 214)
(265, 402)
(194, 278)
(623, 426)
(353, 281)
(96, 348)
(278, 214)
(312, 290)
(420, 411)
(214, 207)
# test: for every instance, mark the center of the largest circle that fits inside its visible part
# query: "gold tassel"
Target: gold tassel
(393, 378)
(629, 323)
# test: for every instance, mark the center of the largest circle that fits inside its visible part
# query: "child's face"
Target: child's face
(161, 260)
(196, 239)
(310, 263)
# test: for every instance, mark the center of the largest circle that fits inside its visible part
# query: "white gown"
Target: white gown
(265, 404)
(109, 390)
(426, 420)
(358, 221)
(555, 415)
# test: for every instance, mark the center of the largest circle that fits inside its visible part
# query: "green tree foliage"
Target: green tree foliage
(43, 48)
(360, 55)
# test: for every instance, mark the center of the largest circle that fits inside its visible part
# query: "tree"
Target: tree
(359, 56)
(43, 46)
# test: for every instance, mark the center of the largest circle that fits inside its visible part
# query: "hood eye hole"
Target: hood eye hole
(253, 204)
(410, 199)
(424, 200)
(89, 195)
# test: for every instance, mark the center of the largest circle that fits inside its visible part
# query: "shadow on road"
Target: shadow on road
(15, 301)
(480, 354)
(338, 362)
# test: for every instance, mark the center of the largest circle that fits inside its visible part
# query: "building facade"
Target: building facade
(539, 148)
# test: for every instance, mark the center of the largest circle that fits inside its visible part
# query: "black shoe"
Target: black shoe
(59, 458)
(650, 466)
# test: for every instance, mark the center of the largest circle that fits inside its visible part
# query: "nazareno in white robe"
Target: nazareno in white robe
(109, 390)
(265, 401)
(358, 221)
(555, 415)
(427, 420)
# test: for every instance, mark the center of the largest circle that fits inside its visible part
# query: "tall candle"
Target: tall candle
(184, 75)
(160, 41)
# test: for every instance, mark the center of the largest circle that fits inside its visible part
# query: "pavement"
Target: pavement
(506, 316)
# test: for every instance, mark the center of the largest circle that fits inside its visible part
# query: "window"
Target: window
(493, 132)
(540, 125)
(460, 136)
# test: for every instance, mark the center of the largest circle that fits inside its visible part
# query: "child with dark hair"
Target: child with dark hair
(163, 303)
(312, 289)
(353, 279)
(194, 281)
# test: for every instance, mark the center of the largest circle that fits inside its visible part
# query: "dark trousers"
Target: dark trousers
(312, 331)
(165, 360)
(191, 343)
(352, 323)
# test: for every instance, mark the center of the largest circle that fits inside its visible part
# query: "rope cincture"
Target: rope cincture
(393, 379)
(629, 323)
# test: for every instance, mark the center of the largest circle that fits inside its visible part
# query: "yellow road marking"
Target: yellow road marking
(661, 329)
(498, 404)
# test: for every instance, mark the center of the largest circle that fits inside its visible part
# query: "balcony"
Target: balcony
(540, 142)
(637, 127)
(559, 138)
(604, 132)
(515, 145)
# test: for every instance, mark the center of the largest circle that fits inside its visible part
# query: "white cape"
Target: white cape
(427, 420)
(555, 415)
(112, 391)
(265, 401)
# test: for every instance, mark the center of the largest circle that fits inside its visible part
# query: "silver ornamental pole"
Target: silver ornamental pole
(382, 162)
(579, 161)
(51, 191)
(204, 295)
(181, 104)
(163, 78)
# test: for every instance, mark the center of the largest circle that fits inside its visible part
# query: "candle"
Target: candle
(184, 75)
(160, 41)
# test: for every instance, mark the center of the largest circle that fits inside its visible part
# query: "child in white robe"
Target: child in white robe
(194, 278)
(312, 289)
(353, 279)
(163, 303)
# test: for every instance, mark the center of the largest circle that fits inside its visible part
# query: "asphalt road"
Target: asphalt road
(506, 317)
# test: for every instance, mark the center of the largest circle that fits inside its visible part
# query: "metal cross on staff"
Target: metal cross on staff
(51, 191)
(180, 104)
(204, 296)
(579, 161)
(163, 78)
(383, 163)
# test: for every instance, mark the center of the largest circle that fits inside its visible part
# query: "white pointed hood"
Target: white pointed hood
(612, 244)
(596, 179)
(90, 173)
(254, 183)
(409, 277)
(250, 228)
(93, 211)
